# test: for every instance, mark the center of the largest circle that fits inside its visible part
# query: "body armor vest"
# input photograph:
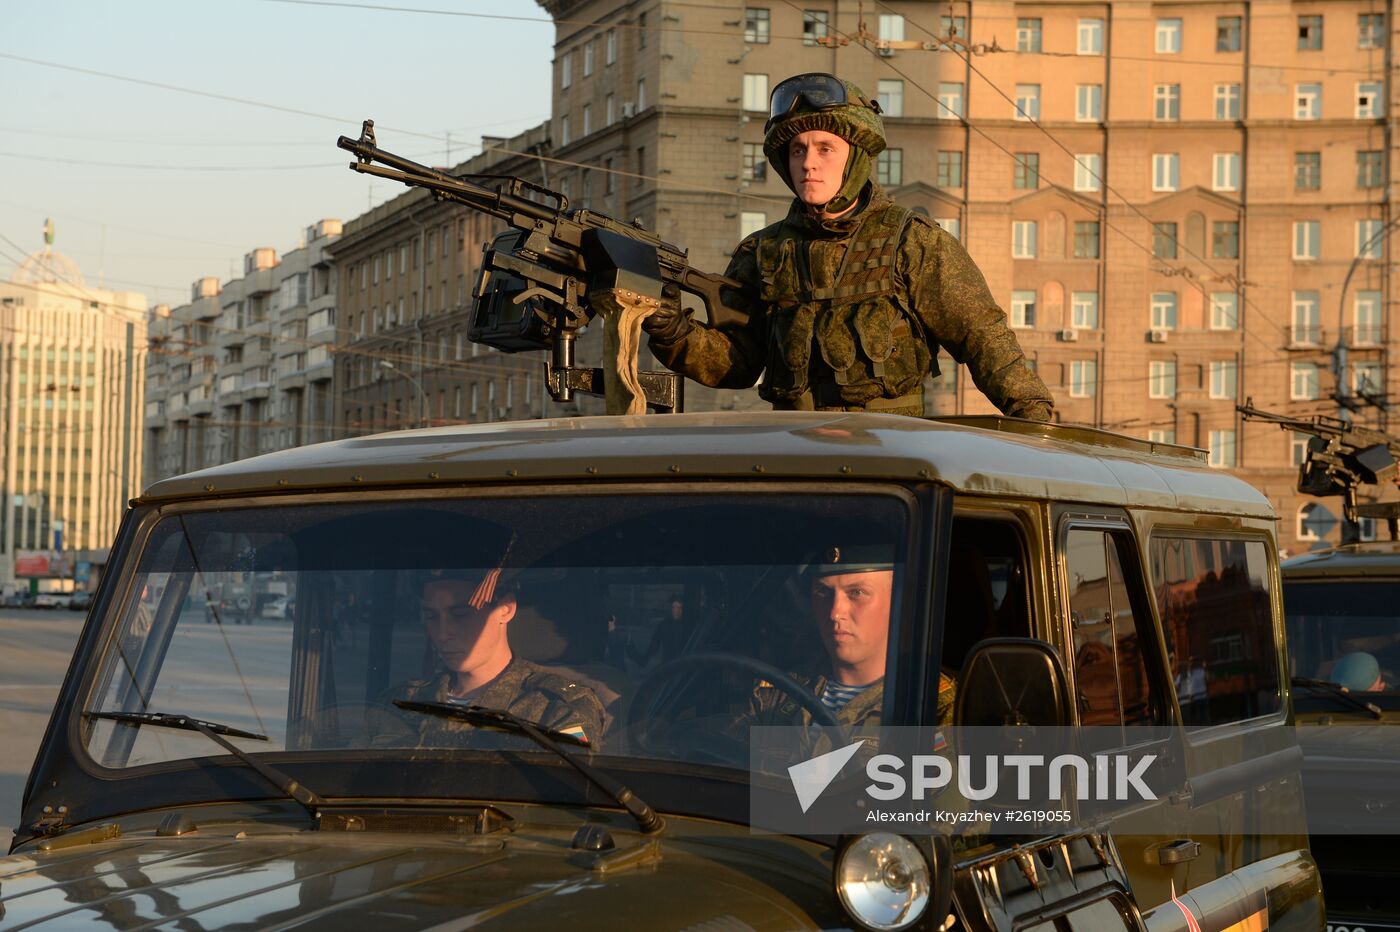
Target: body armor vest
(848, 344)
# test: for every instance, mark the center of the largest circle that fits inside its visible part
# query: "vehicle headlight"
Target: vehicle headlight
(883, 881)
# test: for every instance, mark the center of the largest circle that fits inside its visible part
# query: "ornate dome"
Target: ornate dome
(47, 267)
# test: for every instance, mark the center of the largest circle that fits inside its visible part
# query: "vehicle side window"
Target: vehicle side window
(987, 594)
(1213, 596)
(1109, 663)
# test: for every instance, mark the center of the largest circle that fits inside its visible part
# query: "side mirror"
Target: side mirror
(1012, 681)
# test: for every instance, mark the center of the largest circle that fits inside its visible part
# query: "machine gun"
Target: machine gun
(1340, 458)
(536, 278)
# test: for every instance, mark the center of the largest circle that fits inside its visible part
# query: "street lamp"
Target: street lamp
(422, 395)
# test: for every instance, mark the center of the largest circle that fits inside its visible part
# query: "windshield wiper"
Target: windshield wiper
(1339, 691)
(549, 739)
(308, 799)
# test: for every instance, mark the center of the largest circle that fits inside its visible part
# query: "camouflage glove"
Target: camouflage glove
(670, 323)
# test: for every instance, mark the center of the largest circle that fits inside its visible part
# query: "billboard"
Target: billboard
(41, 564)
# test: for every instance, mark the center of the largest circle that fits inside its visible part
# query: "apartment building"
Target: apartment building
(1179, 205)
(245, 367)
(72, 374)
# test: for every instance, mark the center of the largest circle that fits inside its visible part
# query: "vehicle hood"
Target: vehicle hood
(314, 880)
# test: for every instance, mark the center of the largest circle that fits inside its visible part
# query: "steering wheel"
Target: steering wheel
(642, 695)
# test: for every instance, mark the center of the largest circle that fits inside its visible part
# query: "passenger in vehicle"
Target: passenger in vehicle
(467, 616)
(1359, 672)
(852, 590)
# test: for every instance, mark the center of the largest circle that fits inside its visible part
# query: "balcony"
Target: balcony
(201, 408)
(1306, 337)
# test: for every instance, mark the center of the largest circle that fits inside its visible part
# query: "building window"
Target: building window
(1163, 310)
(1088, 172)
(609, 178)
(1090, 38)
(751, 221)
(566, 71)
(1227, 101)
(1307, 235)
(588, 59)
(1028, 34)
(755, 162)
(1222, 449)
(641, 30)
(1025, 170)
(1307, 102)
(1309, 33)
(755, 92)
(952, 26)
(1367, 318)
(564, 134)
(1370, 240)
(1027, 102)
(587, 119)
(1308, 522)
(814, 26)
(642, 93)
(1227, 33)
(1023, 309)
(1307, 330)
(1088, 103)
(1164, 240)
(950, 225)
(1166, 100)
(950, 169)
(1086, 239)
(1166, 171)
(1303, 381)
(1368, 99)
(891, 27)
(1161, 378)
(1168, 36)
(1023, 239)
(891, 97)
(889, 168)
(1083, 378)
(610, 106)
(950, 100)
(1084, 310)
(757, 27)
(1366, 378)
(1225, 174)
(1307, 171)
(610, 47)
(1298, 447)
(1370, 31)
(1223, 378)
(1225, 239)
(1161, 436)
(1369, 169)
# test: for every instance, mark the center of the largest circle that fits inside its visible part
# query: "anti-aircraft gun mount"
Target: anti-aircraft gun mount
(1341, 458)
(540, 279)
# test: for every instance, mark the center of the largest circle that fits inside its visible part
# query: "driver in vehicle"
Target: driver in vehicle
(467, 616)
(851, 591)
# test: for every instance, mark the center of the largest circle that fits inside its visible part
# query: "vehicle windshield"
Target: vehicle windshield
(1345, 632)
(304, 623)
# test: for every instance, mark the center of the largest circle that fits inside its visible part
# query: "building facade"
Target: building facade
(1179, 205)
(72, 378)
(246, 367)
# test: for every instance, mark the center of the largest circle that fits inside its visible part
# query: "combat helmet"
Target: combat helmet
(818, 101)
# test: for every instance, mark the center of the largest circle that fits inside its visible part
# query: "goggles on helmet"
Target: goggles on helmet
(810, 92)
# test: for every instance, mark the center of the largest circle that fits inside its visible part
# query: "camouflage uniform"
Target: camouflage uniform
(524, 689)
(848, 313)
(860, 717)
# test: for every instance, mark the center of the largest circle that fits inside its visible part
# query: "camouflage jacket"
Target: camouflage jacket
(860, 717)
(848, 314)
(524, 689)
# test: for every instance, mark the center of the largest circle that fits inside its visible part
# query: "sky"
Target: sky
(152, 187)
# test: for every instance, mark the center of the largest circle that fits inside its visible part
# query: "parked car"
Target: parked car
(80, 601)
(216, 776)
(278, 607)
(1343, 613)
(51, 600)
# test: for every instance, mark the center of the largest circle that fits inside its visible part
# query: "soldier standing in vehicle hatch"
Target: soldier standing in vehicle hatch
(850, 296)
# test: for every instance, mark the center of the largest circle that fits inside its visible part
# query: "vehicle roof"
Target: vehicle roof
(1369, 558)
(975, 455)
